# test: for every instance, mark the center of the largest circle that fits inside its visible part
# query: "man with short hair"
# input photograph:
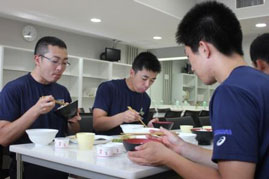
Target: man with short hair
(238, 109)
(259, 52)
(28, 102)
(110, 108)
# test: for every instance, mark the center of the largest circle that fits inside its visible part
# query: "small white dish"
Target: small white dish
(61, 142)
(98, 139)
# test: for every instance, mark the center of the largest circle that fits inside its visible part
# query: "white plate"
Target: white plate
(96, 137)
(145, 130)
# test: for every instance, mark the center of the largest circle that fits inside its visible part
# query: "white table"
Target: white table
(83, 163)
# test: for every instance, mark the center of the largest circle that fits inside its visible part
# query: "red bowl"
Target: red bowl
(130, 144)
(165, 124)
(203, 136)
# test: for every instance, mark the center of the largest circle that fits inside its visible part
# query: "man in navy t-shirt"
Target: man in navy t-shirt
(29, 102)
(259, 52)
(110, 108)
(239, 107)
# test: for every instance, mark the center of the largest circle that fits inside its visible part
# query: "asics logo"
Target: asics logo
(221, 140)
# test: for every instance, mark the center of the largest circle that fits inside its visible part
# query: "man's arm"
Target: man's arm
(226, 169)
(10, 131)
(102, 122)
(154, 153)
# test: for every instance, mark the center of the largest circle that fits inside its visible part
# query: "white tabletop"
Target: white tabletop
(87, 160)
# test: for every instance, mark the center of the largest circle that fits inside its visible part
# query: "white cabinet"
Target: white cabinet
(120, 70)
(188, 87)
(81, 78)
(17, 63)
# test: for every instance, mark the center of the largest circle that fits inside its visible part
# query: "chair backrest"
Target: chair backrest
(172, 114)
(205, 121)
(194, 115)
(4, 172)
(186, 120)
(82, 110)
(1, 157)
(86, 122)
(175, 120)
(163, 110)
(204, 113)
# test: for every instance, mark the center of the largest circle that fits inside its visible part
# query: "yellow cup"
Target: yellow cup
(207, 127)
(85, 140)
(186, 128)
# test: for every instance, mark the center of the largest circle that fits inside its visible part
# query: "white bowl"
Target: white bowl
(145, 130)
(188, 137)
(130, 128)
(41, 136)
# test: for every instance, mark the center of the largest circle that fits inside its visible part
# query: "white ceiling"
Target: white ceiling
(133, 22)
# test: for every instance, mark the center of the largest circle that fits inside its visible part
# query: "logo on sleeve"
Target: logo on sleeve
(221, 140)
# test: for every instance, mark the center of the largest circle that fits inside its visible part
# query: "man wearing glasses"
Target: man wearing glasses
(29, 102)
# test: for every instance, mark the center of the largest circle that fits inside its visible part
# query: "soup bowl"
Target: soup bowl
(204, 136)
(130, 144)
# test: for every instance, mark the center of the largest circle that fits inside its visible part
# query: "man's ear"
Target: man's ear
(37, 59)
(132, 72)
(204, 49)
(262, 66)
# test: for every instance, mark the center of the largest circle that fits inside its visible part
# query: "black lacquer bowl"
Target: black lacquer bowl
(68, 111)
(130, 144)
(203, 136)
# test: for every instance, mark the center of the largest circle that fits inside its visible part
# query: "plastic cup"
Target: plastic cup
(186, 128)
(85, 140)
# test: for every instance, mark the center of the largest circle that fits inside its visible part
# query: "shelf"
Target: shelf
(191, 87)
(187, 86)
(122, 64)
(16, 69)
(69, 74)
(92, 97)
(96, 77)
(79, 78)
(202, 88)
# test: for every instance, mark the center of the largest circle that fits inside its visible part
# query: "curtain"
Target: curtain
(131, 53)
(167, 82)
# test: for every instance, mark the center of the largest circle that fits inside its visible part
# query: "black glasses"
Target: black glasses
(56, 62)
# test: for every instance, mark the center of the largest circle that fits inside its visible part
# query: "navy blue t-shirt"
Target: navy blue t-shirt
(240, 119)
(114, 97)
(19, 95)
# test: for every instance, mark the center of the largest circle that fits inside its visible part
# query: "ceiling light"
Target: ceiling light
(173, 58)
(261, 25)
(95, 20)
(157, 38)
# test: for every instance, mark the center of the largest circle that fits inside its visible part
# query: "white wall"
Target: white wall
(246, 44)
(78, 45)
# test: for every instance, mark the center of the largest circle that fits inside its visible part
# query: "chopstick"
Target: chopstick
(56, 101)
(155, 133)
(59, 102)
(130, 108)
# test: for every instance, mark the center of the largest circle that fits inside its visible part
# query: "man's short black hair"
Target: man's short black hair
(42, 44)
(148, 61)
(259, 48)
(214, 23)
